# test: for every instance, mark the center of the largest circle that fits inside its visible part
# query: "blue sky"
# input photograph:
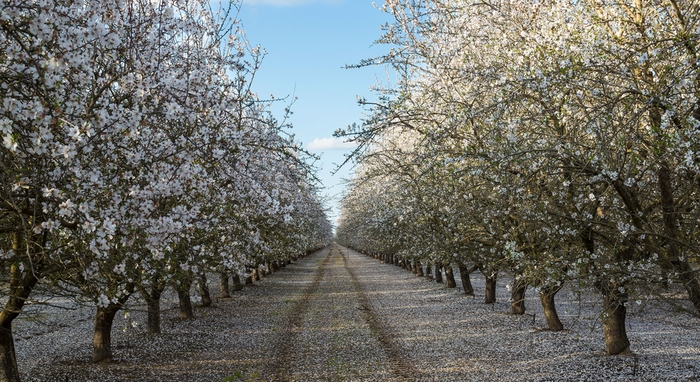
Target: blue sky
(308, 43)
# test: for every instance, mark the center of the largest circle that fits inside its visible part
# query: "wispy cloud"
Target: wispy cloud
(290, 3)
(320, 144)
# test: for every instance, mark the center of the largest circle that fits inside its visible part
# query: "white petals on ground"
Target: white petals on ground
(338, 315)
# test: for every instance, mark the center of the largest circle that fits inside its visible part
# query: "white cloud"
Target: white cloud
(320, 144)
(289, 3)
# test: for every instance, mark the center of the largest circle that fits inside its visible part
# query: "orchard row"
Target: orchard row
(557, 141)
(135, 156)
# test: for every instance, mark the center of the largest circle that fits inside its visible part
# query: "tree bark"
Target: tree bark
(616, 341)
(255, 275)
(550, 311)
(183, 295)
(438, 272)
(429, 271)
(152, 299)
(204, 290)
(420, 268)
(21, 286)
(102, 336)
(517, 303)
(450, 277)
(268, 268)
(490, 293)
(224, 289)
(237, 286)
(466, 280)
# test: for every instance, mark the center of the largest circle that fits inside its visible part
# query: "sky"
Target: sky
(308, 45)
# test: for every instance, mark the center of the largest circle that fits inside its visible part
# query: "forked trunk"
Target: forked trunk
(204, 290)
(438, 272)
(102, 337)
(420, 268)
(616, 341)
(466, 280)
(517, 302)
(450, 277)
(237, 286)
(490, 293)
(224, 289)
(550, 311)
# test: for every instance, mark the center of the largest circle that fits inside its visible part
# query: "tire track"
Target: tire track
(402, 371)
(283, 360)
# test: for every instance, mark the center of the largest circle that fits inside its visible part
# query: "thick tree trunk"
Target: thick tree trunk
(9, 371)
(102, 337)
(237, 286)
(616, 341)
(255, 275)
(21, 286)
(490, 293)
(183, 295)
(517, 302)
(550, 311)
(438, 272)
(466, 280)
(152, 299)
(204, 290)
(429, 271)
(153, 319)
(420, 268)
(268, 268)
(224, 288)
(450, 277)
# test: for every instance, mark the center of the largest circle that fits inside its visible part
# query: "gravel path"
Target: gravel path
(338, 315)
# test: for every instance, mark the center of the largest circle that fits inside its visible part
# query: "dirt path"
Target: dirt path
(331, 331)
(337, 315)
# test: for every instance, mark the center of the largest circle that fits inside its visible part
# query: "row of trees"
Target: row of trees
(135, 156)
(556, 140)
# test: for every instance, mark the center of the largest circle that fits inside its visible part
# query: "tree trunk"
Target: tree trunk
(616, 341)
(517, 303)
(255, 275)
(438, 272)
(224, 289)
(550, 311)
(420, 268)
(490, 293)
(429, 271)
(21, 286)
(275, 266)
(268, 268)
(152, 299)
(237, 286)
(183, 295)
(9, 371)
(414, 267)
(450, 277)
(204, 290)
(466, 280)
(102, 337)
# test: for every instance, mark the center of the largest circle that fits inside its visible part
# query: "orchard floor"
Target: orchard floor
(337, 315)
